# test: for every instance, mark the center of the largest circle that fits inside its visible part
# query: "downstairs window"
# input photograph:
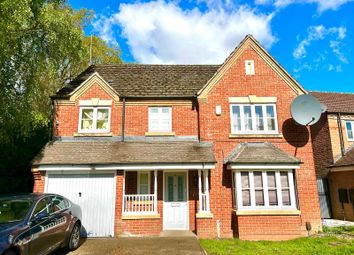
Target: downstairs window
(265, 189)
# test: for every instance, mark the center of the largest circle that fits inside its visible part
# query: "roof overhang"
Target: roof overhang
(127, 167)
(263, 166)
(342, 168)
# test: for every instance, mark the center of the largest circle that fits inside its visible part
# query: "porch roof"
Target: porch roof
(259, 153)
(346, 160)
(114, 152)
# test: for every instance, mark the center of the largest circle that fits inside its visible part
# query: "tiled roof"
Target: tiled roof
(336, 102)
(346, 160)
(113, 152)
(260, 152)
(135, 80)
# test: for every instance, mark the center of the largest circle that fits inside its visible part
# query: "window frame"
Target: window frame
(351, 123)
(138, 182)
(159, 129)
(94, 119)
(254, 119)
(267, 206)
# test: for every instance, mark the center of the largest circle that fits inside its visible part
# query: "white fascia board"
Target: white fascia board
(252, 166)
(128, 167)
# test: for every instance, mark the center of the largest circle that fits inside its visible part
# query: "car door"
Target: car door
(62, 218)
(39, 231)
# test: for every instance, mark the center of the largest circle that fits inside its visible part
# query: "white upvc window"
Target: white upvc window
(160, 119)
(350, 130)
(143, 183)
(94, 119)
(265, 189)
(253, 119)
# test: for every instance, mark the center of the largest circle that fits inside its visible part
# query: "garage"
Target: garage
(94, 193)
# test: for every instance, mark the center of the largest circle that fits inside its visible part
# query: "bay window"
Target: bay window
(253, 118)
(265, 189)
(94, 119)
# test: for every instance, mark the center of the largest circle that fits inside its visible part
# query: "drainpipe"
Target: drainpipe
(198, 116)
(339, 120)
(51, 120)
(123, 119)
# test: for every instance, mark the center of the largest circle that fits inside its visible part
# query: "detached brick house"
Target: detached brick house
(207, 148)
(333, 146)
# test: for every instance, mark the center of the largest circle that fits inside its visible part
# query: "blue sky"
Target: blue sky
(312, 39)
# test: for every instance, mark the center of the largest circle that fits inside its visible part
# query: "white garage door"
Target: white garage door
(94, 193)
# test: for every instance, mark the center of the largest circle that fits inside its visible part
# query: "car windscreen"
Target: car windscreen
(12, 210)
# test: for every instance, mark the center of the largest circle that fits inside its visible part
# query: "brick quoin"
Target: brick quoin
(296, 141)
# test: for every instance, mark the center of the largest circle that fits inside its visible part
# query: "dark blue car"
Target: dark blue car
(35, 224)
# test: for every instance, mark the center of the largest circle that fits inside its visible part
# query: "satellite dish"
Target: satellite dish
(306, 110)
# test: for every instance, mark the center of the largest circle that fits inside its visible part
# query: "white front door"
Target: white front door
(94, 193)
(175, 206)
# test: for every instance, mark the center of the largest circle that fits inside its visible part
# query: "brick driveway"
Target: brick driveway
(138, 245)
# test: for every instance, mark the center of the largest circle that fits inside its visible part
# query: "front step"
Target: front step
(177, 233)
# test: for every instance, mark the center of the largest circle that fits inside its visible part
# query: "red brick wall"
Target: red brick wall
(184, 117)
(268, 227)
(322, 149)
(39, 181)
(68, 115)
(296, 142)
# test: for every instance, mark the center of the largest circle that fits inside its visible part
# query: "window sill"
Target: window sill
(255, 136)
(92, 134)
(160, 134)
(268, 212)
(204, 215)
(141, 216)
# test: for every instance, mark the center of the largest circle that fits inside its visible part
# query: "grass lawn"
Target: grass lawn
(332, 242)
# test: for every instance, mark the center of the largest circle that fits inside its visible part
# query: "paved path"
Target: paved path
(138, 245)
(337, 223)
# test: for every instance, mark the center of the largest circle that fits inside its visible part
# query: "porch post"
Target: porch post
(200, 190)
(206, 189)
(123, 196)
(155, 191)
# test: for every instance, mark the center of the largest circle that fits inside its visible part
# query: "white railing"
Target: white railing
(139, 204)
(204, 205)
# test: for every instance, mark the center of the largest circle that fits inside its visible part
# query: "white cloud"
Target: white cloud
(162, 32)
(322, 5)
(316, 33)
(329, 57)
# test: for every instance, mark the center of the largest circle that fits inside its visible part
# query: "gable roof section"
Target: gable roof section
(259, 153)
(250, 41)
(336, 102)
(113, 152)
(136, 80)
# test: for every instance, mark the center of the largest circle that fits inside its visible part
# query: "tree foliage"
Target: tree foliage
(42, 46)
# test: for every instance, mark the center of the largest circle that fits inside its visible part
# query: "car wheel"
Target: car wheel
(74, 239)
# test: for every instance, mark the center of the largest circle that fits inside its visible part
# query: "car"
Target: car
(37, 223)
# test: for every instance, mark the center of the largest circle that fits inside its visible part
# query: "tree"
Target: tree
(42, 46)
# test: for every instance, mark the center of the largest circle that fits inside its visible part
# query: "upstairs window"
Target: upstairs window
(94, 119)
(253, 118)
(160, 119)
(350, 130)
